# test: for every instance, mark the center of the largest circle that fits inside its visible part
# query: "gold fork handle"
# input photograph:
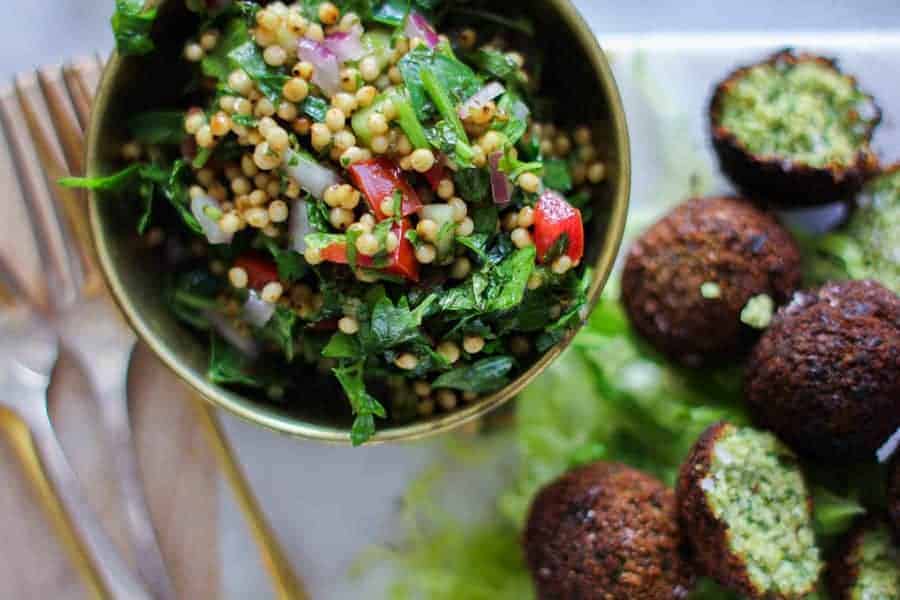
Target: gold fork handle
(284, 580)
(23, 445)
(115, 574)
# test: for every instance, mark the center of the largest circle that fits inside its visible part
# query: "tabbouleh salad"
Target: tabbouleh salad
(357, 194)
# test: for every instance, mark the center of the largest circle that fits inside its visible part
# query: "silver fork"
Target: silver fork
(30, 348)
(86, 322)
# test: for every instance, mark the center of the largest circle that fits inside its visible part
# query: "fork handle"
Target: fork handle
(116, 576)
(150, 564)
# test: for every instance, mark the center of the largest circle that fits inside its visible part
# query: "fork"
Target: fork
(31, 348)
(76, 91)
(88, 326)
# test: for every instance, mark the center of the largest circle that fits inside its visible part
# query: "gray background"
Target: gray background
(40, 31)
(327, 502)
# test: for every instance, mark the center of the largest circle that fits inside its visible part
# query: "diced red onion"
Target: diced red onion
(327, 73)
(257, 311)
(245, 344)
(417, 26)
(299, 226)
(346, 45)
(890, 446)
(500, 184)
(480, 98)
(211, 229)
(312, 177)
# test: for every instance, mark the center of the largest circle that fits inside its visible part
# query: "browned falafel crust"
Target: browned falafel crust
(775, 181)
(606, 532)
(825, 377)
(726, 241)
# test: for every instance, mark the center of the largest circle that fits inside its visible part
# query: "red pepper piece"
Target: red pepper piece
(260, 271)
(553, 217)
(377, 179)
(401, 262)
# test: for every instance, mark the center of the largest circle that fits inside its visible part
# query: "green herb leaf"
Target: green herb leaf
(113, 182)
(342, 345)
(315, 108)
(472, 185)
(509, 280)
(227, 366)
(516, 123)
(447, 82)
(237, 51)
(280, 331)
(245, 120)
(477, 243)
(483, 377)
(163, 127)
(364, 406)
(391, 325)
(493, 62)
(351, 237)
(557, 175)
(131, 27)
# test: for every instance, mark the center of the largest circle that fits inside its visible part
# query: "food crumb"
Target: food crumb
(758, 311)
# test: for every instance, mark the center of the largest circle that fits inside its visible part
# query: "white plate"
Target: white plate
(330, 503)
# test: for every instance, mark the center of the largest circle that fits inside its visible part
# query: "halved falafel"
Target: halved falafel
(794, 130)
(688, 279)
(606, 532)
(746, 512)
(825, 376)
(867, 567)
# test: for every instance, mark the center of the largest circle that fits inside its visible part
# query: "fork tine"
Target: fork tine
(60, 284)
(62, 205)
(71, 138)
(79, 93)
(63, 117)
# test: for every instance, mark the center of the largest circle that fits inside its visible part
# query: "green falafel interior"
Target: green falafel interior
(868, 246)
(878, 561)
(806, 112)
(756, 487)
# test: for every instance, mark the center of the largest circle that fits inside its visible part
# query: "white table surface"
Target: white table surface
(312, 492)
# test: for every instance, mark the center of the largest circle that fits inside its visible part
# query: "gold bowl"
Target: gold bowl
(576, 75)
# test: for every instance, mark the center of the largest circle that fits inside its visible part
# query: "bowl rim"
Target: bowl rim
(257, 413)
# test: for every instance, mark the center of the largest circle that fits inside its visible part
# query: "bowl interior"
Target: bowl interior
(575, 76)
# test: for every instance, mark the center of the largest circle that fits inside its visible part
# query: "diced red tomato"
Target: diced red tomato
(553, 217)
(402, 262)
(260, 271)
(436, 174)
(377, 179)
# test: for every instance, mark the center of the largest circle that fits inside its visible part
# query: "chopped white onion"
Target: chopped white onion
(480, 98)
(500, 184)
(245, 344)
(326, 74)
(887, 450)
(417, 26)
(299, 226)
(257, 311)
(211, 229)
(346, 45)
(312, 177)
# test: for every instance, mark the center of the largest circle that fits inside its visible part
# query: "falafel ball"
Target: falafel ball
(746, 513)
(690, 277)
(867, 565)
(825, 376)
(793, 130)
(894, 493)
(605, 532)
